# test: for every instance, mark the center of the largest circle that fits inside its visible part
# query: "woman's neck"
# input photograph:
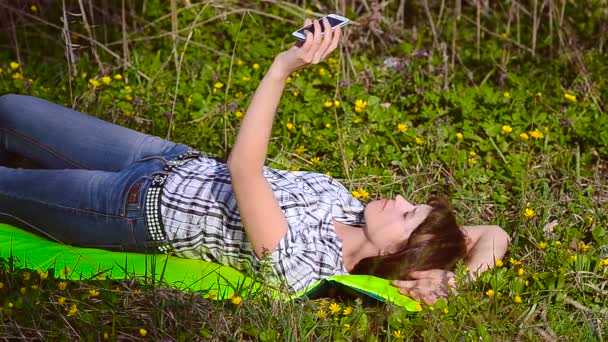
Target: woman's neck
(355, 245)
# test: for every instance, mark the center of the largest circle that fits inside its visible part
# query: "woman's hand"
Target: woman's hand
(314, 49)
(427, 286)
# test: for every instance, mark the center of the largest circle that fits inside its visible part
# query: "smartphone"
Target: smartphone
(334, 20)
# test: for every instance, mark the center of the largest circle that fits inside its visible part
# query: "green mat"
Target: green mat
(37, 253)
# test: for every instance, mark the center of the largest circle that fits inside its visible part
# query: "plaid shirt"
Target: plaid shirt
(202, 220)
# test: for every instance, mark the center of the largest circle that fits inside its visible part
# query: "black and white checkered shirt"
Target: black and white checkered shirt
(202, 220)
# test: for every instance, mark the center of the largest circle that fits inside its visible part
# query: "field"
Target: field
(500, 105)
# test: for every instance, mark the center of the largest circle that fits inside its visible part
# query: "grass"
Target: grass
(503, 109)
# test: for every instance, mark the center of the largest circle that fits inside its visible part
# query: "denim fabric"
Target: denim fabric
(89, 166)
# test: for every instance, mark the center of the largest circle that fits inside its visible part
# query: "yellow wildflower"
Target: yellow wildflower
(543, 245)
(558, 243)
(300, 149)
(43, 275)
(490, 293)
(93, 293)
(506, 94)
(589, 219)
(346, 326)
(506, 129)
(218, 85)
(245, 78)
(73, 310)
(327, 104)
(472, 161)
(34, 287)
(334, 308)
(17, 76)
(402, 128)
(529, 213)
(236, 300)
(238, 95)
(583, 247)
(504, 36)
(336, 103)
(143, 332)
(347, 311)
(1, 70)
(321, 314)
(94, 82)
(570, 97)
(106, 336)
(128, 89)
(524, 136)
(288, 80)
(358, 120)
(604, 262)
(328, 125)
(536, 134)
(360, 105)
(418, 307)
(315, 160)
(23, 290)
(1, 285)
(118, 77)
(62, 285)
(61, 300)
(398, 334)
(33, 8)
(459, 136)
(527, 283)
(322, 72)
(239, 114)
(520, 272)
(290, 125)
(356, 193)
(10, 305)
(239, 62)
(14, 65)
(106, 79)
(363, 194)
(514, 262)
(446, 311)
(499, 263)
(517, 300)
(256, 66)
(418, 140)
(472, 153)
(128, 97)
(295, 93)
(26, 276)
(212, 295)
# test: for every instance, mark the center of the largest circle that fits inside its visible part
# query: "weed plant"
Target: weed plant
(501, 105)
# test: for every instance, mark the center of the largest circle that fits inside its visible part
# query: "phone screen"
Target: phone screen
(332, 21)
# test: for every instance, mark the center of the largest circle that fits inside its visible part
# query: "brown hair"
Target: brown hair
(437, 243)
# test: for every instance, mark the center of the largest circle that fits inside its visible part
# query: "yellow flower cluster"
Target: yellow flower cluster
(360, 105)
(361, 193)
(536, 134)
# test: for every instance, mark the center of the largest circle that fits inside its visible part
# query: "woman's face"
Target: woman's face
(389, 222)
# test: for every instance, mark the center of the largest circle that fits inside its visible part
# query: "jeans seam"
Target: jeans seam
(88, 212)
(56, 154)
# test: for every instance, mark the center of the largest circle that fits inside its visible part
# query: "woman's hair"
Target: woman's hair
(437, 243)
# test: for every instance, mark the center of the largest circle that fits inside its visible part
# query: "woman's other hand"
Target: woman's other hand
(427, 286)
(314, 49)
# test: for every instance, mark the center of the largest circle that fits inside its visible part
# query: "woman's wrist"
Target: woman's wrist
(278, 70)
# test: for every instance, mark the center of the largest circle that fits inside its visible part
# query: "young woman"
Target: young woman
(110, 187)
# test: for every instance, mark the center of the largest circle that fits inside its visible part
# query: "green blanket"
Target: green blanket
(37, 253)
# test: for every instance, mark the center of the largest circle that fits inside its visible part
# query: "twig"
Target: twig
(91, 37)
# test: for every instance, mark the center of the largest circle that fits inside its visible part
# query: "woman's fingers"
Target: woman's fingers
(327, 38)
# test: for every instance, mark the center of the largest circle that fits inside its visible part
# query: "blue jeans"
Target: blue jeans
(91, 190)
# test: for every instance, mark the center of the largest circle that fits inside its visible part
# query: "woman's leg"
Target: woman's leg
(57, 137)
(86, 208)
